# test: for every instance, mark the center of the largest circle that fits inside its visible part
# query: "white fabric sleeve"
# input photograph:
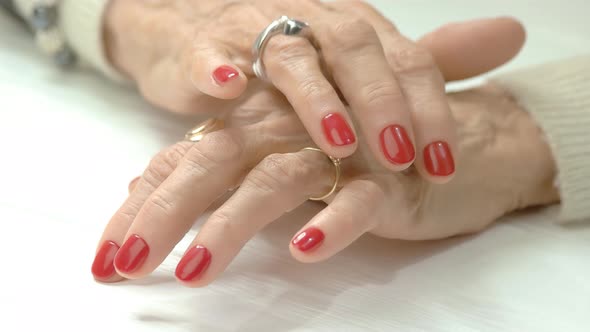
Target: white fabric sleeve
(81, 22)
(558, 96)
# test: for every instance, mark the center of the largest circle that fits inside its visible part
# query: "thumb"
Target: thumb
(213, 73)
(467, 49)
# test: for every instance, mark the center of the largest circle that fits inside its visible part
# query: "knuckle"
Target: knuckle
(411, 60)
(286, 52)
(313, 88)
(359, 216)
(164, 163)
(232, 10)
(277, 171)
(222, 222)
(159, 201)
(365, 192)
(270, 174)
(352, 34)
(361, 6)
(216, 148)
(127, 213)
(379, 94)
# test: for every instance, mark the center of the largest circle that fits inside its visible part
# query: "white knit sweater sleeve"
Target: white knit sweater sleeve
(558, 96)
(81, 23)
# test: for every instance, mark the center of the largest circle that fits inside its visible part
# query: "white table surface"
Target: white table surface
(57, 192)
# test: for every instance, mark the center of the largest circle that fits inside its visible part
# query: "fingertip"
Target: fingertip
(230, 79)
(220, 79)
(339, 137)
(514, 28)
(338, 152)
(470, 48)
(192, 269)
(302, 257)
(437, 179)
(438, 163)
(193, 283)
(131, 256)
(305, 245)
(113, 279)
(103, 269)
(395, 148)
(396, 168)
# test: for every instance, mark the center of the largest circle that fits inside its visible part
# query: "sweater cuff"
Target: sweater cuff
(558, 96)
(81, 23)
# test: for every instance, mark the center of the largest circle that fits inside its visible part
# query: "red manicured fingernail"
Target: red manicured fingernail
(132, 254)
(337, 131)
(225, 74)
(102, 267)
(308, 239)
(438, 159)
(193, 263)
(396, 145)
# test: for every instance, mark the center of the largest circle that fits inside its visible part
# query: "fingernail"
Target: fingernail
(308, 239)
(132, 254)
(193, 263)
(337, 131)
(225, 74)
(102, 267)
(396, 145)
(438, 159)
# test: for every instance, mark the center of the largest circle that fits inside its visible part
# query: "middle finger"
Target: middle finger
(355, 57)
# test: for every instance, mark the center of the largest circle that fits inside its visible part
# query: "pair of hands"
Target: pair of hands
(505, 162)
(195, 56)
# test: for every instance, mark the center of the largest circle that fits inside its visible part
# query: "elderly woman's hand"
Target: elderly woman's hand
(506, 165)
(184, 53)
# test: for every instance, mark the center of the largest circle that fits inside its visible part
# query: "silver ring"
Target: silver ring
(284, 25)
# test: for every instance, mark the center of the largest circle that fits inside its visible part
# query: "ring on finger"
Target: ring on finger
(197, 133)
(336, 163)
(284, 25)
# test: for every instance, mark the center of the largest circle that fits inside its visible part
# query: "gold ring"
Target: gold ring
(336, 162)
(199, 131)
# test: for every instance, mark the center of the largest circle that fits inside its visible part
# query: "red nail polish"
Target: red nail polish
(396, 145)
(193, 263)
(102, 267)
(225, 74)
(337, 131)
(438, 159)
(132, 254)
(308, 239)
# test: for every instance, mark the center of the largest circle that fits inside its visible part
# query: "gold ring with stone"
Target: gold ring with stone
(336, 163)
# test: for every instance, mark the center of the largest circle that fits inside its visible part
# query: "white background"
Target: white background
(70, 142)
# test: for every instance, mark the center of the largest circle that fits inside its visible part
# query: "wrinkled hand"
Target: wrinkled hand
(505, 165)
(185, 55)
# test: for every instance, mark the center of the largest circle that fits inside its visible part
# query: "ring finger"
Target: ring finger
(292, 64)
(355, 56)
(280, 183)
